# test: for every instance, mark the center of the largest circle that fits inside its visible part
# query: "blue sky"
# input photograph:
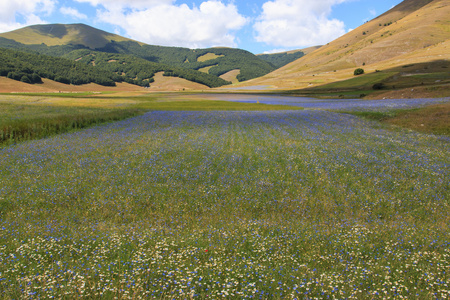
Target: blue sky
(259, 26)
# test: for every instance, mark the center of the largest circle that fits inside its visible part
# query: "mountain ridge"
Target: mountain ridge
(62, 39)
(64, 34)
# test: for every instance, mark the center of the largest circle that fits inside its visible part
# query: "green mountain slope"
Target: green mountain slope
(60, 40)
(86, 66)
(221, 60)
(279, 60)
(136, 70)
(30, 68)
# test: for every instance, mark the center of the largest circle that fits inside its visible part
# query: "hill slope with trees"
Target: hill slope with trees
(279, 60)
(32, 67)
(86, 66)
(61, 40)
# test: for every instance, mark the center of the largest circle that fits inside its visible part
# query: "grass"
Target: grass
(361, 81)
(227, 204)
(208, 56)
(210, 105)
(24, 122)
(433, 119)
(33, 116)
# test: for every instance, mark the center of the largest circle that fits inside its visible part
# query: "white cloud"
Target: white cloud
(213, 23)
(114, 4)
(273, 51)
(29, 10)
(72, 12)
(298, 23)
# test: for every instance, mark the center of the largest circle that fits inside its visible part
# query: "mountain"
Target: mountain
(63, 40)
(63, 34)
(412, 39)
(281, 59)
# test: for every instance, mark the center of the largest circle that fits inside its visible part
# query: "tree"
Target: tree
(35, 78)
(25, 79)
(358, 71)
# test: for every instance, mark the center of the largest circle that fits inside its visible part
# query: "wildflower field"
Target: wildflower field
(296, 204)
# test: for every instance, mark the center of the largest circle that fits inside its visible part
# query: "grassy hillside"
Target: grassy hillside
(63, 34)
(414, 32)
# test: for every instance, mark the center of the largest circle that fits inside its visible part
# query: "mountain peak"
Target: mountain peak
(63, 34)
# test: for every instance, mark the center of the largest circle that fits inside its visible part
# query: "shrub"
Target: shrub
(35, 78)
(25, 79)
(358, 71)
(378, 86)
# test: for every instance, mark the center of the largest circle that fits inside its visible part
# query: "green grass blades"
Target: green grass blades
(20, 122)
(33, 116)
(433, 119)
(270, 205)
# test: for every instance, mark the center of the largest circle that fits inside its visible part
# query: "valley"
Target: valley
(136, 171)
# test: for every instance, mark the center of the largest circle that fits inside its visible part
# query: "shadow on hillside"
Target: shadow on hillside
(56, 30)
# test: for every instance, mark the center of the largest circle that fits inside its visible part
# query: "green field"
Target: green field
(275, 204)
(31, 116)
(359, 82)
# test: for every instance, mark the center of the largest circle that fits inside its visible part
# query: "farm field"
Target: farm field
(276, 204)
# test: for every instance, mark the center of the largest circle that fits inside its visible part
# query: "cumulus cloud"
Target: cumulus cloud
(10, 10)
(72, 12)
(273, 51)
(213, 23)
(298, 23)
(126, 3)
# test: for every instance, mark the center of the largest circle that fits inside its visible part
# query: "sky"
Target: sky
(259, 26)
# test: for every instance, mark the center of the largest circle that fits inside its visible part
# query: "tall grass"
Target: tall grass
(21, 119)
(269, 205)
(25, 122)
(433, 119)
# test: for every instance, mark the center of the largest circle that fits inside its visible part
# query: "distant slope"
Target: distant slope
(221, 60)
(413, 31)
(131, 69)
(60, 39)
(87, 66)
(139, 71)
(49, 86)
(281, 59)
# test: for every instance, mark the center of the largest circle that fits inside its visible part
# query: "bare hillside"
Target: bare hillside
(413, 30)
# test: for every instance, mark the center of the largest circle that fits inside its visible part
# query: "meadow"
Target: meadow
(279, 204)
(30, 116)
